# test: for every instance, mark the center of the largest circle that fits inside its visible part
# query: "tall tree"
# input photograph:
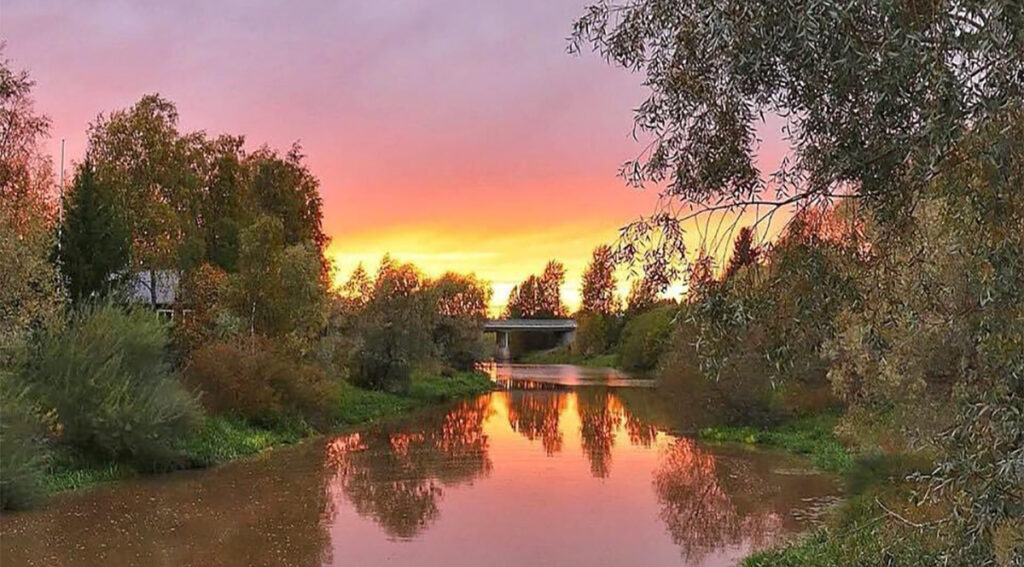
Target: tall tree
(155, 175)
(284, 187)
(94, 242)
(227, 207)
(599, 283)
(278, 289)
(643, 294)
(30, 298)
(539, 297)
(744, 252)
(873, 94)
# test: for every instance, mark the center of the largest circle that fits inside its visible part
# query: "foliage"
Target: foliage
(107, 379)
(812, 436)
(199, 306)
(76, 474)
(23, 450)
(872, 94)
(285, 189)
(279, 289)
(643, 294)
(757, 335)
(460, 308)
(430, 388)
(598, 291)
(645, 337)
(93, 248)
(538, 297)
(221, 439)
(357, 405)
(394, 328)
(744, 252)
(566, 355)
(30, 299)
(186, 199)
(943, 323)
(260, 381)
(151, 172)
(595, 333)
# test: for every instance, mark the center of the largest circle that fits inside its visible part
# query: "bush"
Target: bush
(394, 329)
(645, 336)
(106, 377)
(256, 380)
(595, 333)
(23, 451)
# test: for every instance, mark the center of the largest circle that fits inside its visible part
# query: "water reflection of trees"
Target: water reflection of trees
(600, 416)
(535, 416)
(709, 504)
(396, 473)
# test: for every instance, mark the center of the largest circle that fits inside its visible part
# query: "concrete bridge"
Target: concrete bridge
(564, 328)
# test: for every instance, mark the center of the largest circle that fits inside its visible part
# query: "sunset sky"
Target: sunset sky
(457, 134)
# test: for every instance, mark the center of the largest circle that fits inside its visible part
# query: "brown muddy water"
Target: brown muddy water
(541, 474)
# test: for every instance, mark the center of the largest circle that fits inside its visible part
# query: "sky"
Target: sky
(456, 134)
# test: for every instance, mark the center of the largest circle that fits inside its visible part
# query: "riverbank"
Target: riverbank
(812, 436)
(877, 510)
(220, 439)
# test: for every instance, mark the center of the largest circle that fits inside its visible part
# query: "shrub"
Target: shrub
(256, 380)
(594, 333)
(114, 396)
(645, 336)
(459, 309)
(394, 329)
(23, 451)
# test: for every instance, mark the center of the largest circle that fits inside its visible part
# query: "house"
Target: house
(161, 295)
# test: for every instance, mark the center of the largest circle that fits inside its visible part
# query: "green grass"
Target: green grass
(858, 535)
(563, 355)
(77, 476)
(221, 439)
(435, 389)
(811, 436)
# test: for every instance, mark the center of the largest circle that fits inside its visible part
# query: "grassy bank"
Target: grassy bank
(565, 355)
(863, 530)
(811, 436)
(220, 439)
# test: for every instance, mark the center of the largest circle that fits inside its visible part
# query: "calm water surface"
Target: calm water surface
(546, 474)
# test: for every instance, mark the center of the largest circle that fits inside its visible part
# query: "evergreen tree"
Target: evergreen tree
(744, 253)
(94, 242)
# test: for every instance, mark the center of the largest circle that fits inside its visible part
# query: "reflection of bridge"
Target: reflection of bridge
(564, 328)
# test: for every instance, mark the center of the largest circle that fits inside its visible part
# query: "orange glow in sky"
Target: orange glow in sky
(455, 134)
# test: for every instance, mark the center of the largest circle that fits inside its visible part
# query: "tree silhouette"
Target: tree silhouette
(598, 293)
(744, 252)
(539, 297)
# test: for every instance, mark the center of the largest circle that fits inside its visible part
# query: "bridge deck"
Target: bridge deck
(530, 325)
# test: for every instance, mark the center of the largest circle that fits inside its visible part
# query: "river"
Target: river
(567, 467)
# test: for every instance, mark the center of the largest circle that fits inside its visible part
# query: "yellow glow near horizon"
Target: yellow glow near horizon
(504, 258)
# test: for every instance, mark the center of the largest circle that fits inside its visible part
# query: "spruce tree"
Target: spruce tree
(94, 241)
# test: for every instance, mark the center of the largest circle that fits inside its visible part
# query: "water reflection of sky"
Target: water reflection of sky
(528, 376)
(552, 478)
(585, 476)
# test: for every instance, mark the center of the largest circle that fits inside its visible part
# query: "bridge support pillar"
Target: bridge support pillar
(504, 352)
(567, 338)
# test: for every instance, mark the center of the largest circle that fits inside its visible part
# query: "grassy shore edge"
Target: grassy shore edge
(223, 439)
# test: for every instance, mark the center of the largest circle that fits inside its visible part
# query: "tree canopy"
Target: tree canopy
(873, 95)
